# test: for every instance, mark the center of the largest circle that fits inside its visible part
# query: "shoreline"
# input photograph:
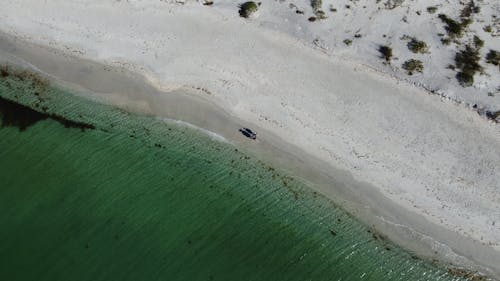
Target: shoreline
(364, 201)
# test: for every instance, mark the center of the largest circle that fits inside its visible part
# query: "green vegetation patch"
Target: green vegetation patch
(453, 28)
(317, 9)
(385, 52)
(417, 46)
(432, 9)
(493, 57)
(469, 9)
(467, 61)
(248, 8)
(412, 66)
(478, 42)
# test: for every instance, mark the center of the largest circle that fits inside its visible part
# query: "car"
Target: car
(248, 133)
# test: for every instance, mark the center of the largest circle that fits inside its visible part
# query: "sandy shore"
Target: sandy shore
(422, 170)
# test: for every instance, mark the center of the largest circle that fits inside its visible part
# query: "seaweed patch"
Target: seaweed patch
(17, 115)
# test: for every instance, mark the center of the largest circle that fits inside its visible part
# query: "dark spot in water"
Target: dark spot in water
(17, 115)
(190, 242)
(4, 73)
(387, 248)
(333, 232)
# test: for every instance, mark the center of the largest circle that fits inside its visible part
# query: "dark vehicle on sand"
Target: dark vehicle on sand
(248, 133)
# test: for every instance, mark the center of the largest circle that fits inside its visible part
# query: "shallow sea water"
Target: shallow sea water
(136, 198)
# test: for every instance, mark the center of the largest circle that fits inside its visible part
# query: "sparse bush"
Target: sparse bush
(446, 41)
(386, 52)
(316, 4)
(467, 61)
(320, 15)
(493, 115)
(469, 9)
(493, 57)
(417, 46)
(487, 28)
(348, 42)
(465, 79)
(412, 66)
(453, 28)
(317, 9)
(432, 9)
(478, 42)
(248, 8)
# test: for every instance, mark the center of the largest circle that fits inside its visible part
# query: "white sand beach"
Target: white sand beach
(424, 169)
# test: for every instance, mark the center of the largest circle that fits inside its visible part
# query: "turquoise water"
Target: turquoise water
(135, 198)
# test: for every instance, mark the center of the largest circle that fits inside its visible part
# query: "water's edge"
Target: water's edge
(284, 159)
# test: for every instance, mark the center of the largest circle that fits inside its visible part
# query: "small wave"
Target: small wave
(212, 135)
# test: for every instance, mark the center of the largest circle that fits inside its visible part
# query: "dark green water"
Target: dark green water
(138, 199)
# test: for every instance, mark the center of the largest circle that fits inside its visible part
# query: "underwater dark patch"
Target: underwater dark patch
(17, 115)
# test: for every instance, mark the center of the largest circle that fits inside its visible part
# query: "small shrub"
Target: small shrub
(248, 8)
(478, 42)
(316, 4)
(465, 79)
(493, 57)
(417, 46)
(467, 61)
(386, 52)
(320, 15)
(453, 28)
(469, 9)
(317, 9)
(432, 9)
(493, 115)
(487, 28)
(348, 42)
(446, 41)
(412, 66)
